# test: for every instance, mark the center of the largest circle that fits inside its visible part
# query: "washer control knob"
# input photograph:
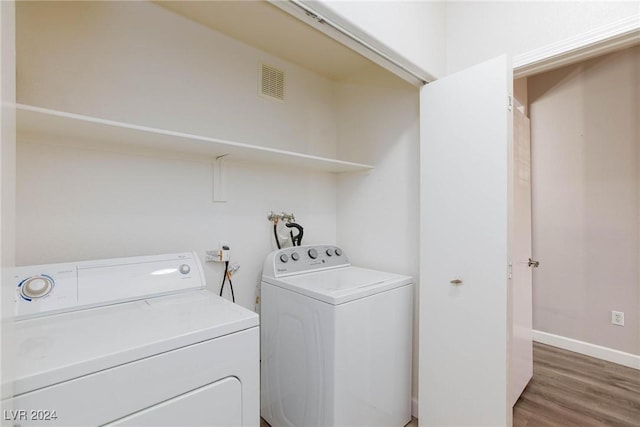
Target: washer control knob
(313, 254)
(284, 258)
(338, 251)
(184, 269)
(295, 256)
(329, 252)
(36, 287)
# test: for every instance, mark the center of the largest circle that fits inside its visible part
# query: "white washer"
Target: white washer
(129, 341)
(336, 341)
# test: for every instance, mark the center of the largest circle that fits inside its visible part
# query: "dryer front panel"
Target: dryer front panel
(111, 395)
(217, 404)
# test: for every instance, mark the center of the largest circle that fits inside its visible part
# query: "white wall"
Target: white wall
(585, 132)
(7, 134)
(76, 204)
(7, 184)
(377, 220)
(414, 30)
(138, 62)
(479, 30)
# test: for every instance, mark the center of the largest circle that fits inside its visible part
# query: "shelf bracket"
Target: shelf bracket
(219, 180)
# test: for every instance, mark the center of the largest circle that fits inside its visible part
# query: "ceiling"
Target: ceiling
(264, 26)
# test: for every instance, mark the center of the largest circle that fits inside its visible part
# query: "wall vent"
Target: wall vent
(271, 82)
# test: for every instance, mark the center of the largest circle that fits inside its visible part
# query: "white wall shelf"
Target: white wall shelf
(93, 131)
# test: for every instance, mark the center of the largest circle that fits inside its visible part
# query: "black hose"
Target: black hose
(233, 297)
(224, 278)
(275, 234)
(297, 240)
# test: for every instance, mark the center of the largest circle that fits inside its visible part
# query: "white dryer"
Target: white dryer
(129, 341)
(336, 341)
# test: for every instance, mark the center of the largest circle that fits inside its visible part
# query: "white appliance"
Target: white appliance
(130, 341)
(336, 341)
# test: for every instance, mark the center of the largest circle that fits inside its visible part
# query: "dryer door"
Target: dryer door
(222, 400)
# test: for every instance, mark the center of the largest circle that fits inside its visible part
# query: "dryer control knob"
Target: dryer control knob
(284, 258)
(338, 251)
(295, 256)
(184, 269)
(329, 252)
(36, 287)
(313, 254)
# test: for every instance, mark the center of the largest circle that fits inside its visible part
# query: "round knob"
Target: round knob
(36, 287)
(184, 269)
(313, 254)
(338, 251)
(295, 256)
(329, 252)
(284, 258)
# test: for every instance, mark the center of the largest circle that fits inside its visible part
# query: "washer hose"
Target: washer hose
(275, 234)
(297, 239)
(224, 279)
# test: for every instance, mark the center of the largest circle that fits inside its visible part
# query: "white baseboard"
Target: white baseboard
(588, 349)
(414, 407)
(593, 350)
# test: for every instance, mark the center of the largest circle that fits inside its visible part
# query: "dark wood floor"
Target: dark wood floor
(569, 389)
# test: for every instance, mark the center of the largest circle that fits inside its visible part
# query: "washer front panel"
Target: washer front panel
(336, 365)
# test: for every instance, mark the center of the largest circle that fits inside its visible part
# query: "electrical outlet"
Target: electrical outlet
(617, 318)
(220, 255)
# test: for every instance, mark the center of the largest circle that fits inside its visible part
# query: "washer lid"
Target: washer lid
(342, 284)
(57, 348)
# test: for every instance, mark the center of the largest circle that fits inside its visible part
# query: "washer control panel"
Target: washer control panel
(299, 259)
(55, 288)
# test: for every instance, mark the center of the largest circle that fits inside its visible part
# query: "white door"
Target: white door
(465, 138)
(521, 293)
